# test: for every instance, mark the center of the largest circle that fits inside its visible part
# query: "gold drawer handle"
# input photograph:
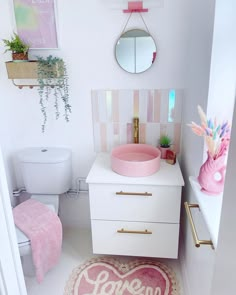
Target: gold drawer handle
(197, 242)
(133, 194)
(142, 232)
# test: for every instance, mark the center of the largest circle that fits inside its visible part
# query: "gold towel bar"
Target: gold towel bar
(133, 194)
(197, 242)
(143, 232)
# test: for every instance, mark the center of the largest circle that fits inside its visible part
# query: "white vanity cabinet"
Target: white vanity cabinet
(135, 216)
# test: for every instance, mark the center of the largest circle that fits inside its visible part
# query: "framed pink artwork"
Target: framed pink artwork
(36, 23)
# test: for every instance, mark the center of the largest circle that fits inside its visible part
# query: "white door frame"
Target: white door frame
(11, 275)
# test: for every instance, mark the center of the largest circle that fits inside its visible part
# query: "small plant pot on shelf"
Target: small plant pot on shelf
(19, 56)
(164, 145)
(163, 151)
(17, 47)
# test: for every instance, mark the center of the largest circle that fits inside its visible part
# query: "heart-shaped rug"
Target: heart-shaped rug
(108, 276)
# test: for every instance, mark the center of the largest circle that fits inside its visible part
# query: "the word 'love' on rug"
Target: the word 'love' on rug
(108, 276)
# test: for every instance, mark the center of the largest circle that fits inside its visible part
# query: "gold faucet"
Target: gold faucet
(136, 130)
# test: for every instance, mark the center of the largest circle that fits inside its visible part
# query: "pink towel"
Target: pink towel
(43, 227)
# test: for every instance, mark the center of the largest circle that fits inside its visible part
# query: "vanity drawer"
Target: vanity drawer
(160, 204)
(160, 241)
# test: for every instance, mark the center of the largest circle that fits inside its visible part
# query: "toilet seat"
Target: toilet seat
(22, 239)
(51, 201)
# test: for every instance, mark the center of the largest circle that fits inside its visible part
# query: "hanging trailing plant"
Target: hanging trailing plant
(53, 82)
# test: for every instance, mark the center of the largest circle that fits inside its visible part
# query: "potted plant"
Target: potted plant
(165, 143)
(18, 48)
(53, 82)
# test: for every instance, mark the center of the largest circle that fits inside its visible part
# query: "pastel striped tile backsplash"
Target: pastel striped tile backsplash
(158, 110)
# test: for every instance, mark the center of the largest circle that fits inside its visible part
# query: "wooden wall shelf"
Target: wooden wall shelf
(22, 70)
(28, 70)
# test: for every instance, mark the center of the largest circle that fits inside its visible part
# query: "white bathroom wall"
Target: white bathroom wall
(223, 66)
(87, 31)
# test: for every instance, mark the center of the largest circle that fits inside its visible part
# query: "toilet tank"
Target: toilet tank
(46, 170)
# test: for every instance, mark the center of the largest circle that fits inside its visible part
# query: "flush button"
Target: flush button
(44, 150)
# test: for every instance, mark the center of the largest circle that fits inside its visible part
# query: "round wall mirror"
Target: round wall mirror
(135, 51)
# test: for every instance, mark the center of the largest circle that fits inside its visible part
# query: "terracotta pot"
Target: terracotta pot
(19, 56)
(212, 175)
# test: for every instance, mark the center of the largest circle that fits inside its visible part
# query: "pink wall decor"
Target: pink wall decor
(150, 107)
(36, 23)
(114, 110)
(135, 6)
(124, 4)
(115, 105)
(157, 106)
(129, 133)
(142, 133)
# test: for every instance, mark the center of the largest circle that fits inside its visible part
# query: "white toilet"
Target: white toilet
(46, 174)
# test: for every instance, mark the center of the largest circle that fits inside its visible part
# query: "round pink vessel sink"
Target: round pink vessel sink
(135, 159)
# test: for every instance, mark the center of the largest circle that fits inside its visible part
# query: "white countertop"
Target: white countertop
(210, 207)
(101, 172)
